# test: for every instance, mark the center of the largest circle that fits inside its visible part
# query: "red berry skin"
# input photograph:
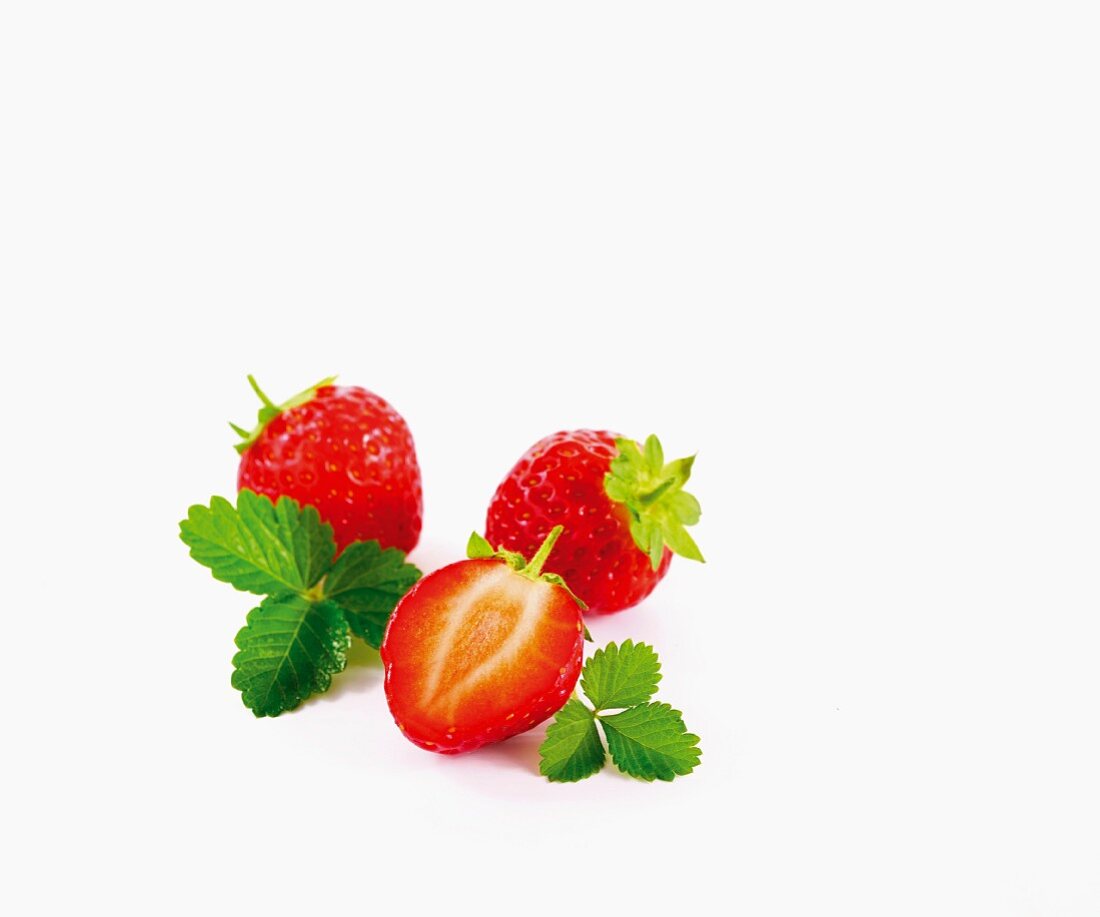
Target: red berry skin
(351, 455)
(560, 481)
(475, 653)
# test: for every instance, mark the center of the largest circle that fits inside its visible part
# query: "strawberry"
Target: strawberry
(345, 451)
(624, 511)
(482, 649)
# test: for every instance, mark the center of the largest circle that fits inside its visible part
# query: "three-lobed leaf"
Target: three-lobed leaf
(290, 648)
(621, 676)
(258, 546)
(572, 749)
(297, 638)
(646, 740)
(650, 742)
(367, 582)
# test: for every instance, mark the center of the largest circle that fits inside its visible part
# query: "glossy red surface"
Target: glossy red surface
(351, 455)
(559, 481)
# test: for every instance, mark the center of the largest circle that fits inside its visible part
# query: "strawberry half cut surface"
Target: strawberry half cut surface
(482, 649)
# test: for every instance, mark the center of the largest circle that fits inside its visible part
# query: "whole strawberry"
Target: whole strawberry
(624, 511)
(345, 451)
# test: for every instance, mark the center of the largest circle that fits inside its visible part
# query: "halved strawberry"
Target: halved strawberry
(482, 649)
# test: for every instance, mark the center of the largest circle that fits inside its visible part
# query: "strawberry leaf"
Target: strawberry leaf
(572, 749)
(259, 546)
(646, 740)
(290, 648)
(623, 676)
(652, 490)
(650, 742)
(367, 582)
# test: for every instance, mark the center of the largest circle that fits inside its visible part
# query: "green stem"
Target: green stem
(270, 410)
(534, 568)
(268, 403)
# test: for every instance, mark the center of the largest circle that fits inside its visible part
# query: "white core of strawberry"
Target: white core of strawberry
(533, 595)
(455, 616)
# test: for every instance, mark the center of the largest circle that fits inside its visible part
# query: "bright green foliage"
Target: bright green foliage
(572, 749)
(650, 742)
(624, 676)
(290, 648)
(367, 582)
(653, 491)
(297, 638)
(647, 740)
(259, 546)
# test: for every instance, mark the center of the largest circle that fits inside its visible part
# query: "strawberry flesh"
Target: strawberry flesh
(477, 652)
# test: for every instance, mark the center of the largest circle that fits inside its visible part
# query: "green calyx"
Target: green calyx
(269, 410)
(653, 492)
(477, 548)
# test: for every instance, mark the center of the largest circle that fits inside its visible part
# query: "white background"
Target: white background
(847, 252)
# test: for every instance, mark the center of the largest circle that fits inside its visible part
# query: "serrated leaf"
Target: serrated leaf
(650, 742)
(259, 546)
(621, 676)
(289, 649)
(367, 582)
(572, 749)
